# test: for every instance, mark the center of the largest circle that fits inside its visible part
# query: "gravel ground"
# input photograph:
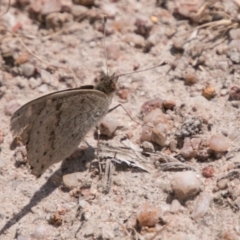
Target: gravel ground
(169, 156)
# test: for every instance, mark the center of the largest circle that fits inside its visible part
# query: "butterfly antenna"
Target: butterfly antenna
(159, 65)
(104, 43)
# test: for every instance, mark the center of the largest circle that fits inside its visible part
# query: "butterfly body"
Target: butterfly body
(51, 127)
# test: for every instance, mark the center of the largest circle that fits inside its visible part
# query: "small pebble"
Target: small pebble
(34, 82)
(230, 234)
(159, 134)
(175, 206)
(41, 232)
(134, 40)
(146, 134)
(147, 146)
(148, 215)
(108, 126)
(219, 143)
(222, 65)
(234, 93)
(123, 93)
(87, 3)
(233, 51)
(72, 180)
(11, 107)
(151, 105)
(208, 92)
(22, 237)
(169, 104)
(234, 33)
(185, 185)
(191, 78)
(49, 6)
(27, 69)
(155, 117)
(173, 145)
(46, 77)
(222, 184)
(208, 171)
(223, 92)
(110, 9)
(56, 220)
(78, 10)
(57, 20)
(131, 221)
(202, 205)
(43, 88)
(22, 58)
(82, 203)
(187, 151)
(143, 26)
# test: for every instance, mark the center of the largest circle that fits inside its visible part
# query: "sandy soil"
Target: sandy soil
(48, 46)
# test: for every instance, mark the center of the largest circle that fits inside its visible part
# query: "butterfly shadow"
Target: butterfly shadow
(75, 163)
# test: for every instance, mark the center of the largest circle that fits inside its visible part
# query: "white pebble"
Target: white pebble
(175, 206)
(72, 180)
(202, 205)
(219, 143)
(43, 88)
(185, 185)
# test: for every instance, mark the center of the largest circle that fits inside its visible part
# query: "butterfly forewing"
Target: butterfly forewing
(52, 126)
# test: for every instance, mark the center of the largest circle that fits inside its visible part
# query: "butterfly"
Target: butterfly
(52, 126)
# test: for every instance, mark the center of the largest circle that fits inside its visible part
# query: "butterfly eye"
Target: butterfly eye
(113, 85)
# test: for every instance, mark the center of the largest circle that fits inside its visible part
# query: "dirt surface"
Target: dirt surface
(192, 123)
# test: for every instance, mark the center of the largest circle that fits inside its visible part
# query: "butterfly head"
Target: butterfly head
(107, 84)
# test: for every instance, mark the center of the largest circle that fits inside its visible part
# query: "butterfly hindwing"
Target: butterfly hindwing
(52, 126)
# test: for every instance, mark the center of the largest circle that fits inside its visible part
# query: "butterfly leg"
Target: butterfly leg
(98, 147)
(120, 105)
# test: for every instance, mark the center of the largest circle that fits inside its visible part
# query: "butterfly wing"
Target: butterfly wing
(52, 127)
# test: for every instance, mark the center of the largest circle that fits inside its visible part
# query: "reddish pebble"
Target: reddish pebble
(22, 58)
(123, 93)
(219, 143)
(191, 78)
(55, 220)
(151, 105)
(208, 92)
(17, 26)
(230, 234)
(234, 93)
(169, 104)
(208, 171)
(187, 151)
(148, 215)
